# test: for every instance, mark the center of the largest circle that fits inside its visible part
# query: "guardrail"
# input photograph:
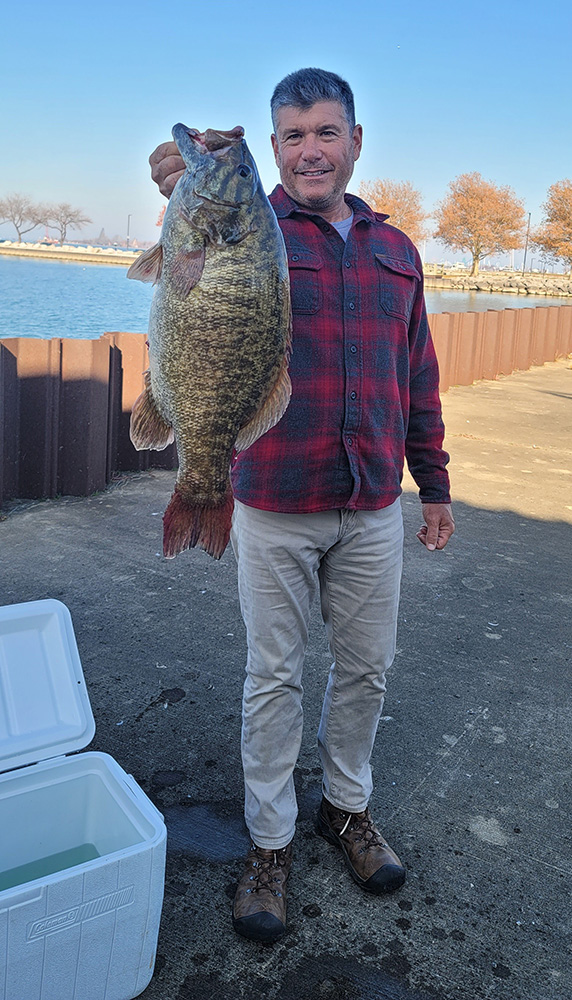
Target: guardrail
(65, 404)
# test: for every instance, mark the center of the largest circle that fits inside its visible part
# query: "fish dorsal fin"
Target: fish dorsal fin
(148, 266)
(270, 413)
(186, 269)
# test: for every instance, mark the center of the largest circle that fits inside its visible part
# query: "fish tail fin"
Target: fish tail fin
(186, 524)
(147, 428)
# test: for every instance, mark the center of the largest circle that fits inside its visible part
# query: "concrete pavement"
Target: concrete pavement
(472, 760)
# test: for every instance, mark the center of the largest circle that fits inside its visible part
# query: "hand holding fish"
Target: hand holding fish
(219, 330)
(167, 165)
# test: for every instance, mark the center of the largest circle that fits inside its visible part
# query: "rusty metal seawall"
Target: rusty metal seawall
(65, 404)
(64, 414)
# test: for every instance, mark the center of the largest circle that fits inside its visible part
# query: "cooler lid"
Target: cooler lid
(44, 705)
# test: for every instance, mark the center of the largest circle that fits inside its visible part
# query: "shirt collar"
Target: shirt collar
(285, 206)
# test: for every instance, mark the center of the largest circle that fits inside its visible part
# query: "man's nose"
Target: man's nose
(311, 148)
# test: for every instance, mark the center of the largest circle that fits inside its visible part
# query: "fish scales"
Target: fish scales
(219, 332)
(218, 325)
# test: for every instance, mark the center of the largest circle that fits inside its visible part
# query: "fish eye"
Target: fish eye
(244, 170)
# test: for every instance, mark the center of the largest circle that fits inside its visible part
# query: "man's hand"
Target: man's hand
(439, 525)
(167, 165)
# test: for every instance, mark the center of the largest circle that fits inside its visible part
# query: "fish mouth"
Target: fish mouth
(210, 141)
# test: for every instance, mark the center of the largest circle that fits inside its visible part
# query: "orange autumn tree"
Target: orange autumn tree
(401, 201)
(479, 217)
(554, 236)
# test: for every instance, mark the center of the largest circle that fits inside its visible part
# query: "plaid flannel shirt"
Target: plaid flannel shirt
(363, 369)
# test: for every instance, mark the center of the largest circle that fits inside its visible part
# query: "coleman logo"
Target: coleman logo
(77, 914)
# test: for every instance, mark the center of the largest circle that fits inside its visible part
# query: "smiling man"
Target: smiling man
(317, 507)
(315, 151)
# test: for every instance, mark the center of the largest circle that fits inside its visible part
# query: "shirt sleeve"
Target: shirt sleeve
(425, 456)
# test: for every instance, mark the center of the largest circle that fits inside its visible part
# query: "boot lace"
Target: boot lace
(363, 829)
(266, 875)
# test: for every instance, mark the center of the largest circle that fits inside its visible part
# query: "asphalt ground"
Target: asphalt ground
(472, 760)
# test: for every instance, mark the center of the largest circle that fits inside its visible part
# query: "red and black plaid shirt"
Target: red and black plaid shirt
(363, 369)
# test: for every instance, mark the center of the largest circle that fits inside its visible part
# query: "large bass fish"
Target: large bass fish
(219, 332)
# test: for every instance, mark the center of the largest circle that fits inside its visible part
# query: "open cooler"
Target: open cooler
(82, 848)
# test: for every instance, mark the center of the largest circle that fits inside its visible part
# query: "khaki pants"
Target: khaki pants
(354, 558)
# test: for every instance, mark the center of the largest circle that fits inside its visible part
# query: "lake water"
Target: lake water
(45, 298)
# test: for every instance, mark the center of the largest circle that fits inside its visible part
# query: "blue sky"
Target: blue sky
(441, 89)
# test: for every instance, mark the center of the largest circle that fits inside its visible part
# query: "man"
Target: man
(317, 497)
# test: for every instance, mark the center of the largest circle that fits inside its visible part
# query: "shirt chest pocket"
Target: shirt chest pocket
(305, 287)
(397, 280)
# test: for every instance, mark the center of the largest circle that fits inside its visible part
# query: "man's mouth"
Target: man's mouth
(312, 173)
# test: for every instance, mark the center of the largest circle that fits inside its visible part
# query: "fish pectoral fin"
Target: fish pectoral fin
(148, 266)
(186, 269)
(270, 413)
(148, 429)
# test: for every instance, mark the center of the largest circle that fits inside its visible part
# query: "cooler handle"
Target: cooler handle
(136, 790)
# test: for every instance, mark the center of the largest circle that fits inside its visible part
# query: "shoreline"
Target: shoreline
(507, 282)
(67, 252)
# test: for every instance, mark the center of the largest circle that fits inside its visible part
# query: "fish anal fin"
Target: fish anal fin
(148, 266)
(186, 524)
(186, 269)
(147, 428)
(270, 413)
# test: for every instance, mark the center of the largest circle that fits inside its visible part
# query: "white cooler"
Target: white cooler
(82, 848)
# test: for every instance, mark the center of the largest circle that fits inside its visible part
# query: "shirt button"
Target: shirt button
(326, 229)
(353, 395)
(350, 441)
(348, 263)
(295, 256)
(352, 305)
(353, 348)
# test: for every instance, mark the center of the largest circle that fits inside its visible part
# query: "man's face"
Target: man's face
(315, 151)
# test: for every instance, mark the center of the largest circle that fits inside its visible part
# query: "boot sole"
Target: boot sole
(393, 883)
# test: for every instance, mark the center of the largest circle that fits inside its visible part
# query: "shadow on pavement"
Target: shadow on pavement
(472, 760)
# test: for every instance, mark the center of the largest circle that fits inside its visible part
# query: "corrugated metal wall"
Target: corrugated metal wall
(65, 404)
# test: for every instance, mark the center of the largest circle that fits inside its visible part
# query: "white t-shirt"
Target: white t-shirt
(344, 226)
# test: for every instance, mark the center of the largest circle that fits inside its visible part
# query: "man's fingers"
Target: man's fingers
(165, 149)
(438, 528)
(432, 536)
(167, 165)
(445, 533)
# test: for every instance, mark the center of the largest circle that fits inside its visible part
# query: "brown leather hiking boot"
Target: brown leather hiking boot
(372, 863)
(259, 908)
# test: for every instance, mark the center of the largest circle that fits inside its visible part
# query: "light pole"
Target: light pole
(526, 244)
(129, 221)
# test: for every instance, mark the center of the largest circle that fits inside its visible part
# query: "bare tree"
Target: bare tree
(480, 217)
(554, 236)
(401, 201)
(19, 210)
(63, 217)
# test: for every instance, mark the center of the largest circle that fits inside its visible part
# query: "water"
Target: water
(454, 301)
(47, 866)
(55, 298)
(45, 298)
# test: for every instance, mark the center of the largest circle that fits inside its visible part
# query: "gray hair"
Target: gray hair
(306, 87)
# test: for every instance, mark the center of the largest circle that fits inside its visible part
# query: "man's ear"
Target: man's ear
(275, 149)
(357, 139)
